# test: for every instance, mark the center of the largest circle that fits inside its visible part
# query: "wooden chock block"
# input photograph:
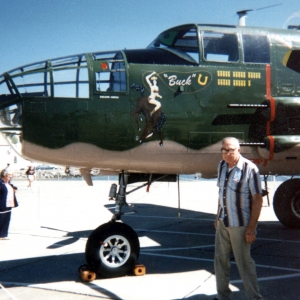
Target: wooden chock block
(87, 275)
(139, 270)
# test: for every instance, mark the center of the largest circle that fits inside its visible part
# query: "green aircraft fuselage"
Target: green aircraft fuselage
(193, 85)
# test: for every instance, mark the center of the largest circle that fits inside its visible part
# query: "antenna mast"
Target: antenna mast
(242, 16)
(243, 13)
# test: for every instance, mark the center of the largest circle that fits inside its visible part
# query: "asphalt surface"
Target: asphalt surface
(50, 228)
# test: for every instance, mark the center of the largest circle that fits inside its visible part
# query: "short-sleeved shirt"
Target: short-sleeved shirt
(236, 189)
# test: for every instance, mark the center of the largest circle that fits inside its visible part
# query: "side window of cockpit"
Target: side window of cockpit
(70, 77)
(31, 80)
(110, 75)
(187, 43)
(221, 47)
(256, 49)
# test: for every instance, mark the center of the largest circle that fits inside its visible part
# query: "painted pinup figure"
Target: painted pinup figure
(155, 118)
(152, 82)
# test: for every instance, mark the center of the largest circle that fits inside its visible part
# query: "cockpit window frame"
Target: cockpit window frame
(262, 44)
(110, 74)
(173, 40)
(221, 54)
(40, 79)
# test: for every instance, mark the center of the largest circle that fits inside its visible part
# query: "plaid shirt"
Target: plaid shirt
(236, 189)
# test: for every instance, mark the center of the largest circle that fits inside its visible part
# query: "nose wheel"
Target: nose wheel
(112, 250)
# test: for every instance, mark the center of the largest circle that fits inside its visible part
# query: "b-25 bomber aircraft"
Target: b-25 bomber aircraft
(151, 114)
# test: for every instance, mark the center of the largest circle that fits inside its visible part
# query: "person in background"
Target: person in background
(8, 200)
(240, 202)
(30, 173)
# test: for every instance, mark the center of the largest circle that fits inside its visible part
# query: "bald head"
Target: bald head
(232, 141)
(231, 151)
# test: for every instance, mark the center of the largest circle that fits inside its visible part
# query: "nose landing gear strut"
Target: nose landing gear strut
(112, 249)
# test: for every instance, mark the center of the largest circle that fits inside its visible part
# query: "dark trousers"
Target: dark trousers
(4, 223)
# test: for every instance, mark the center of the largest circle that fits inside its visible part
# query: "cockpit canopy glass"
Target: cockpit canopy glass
(220, 47)
(182, 41)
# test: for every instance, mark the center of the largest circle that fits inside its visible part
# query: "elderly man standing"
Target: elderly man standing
(240, 202)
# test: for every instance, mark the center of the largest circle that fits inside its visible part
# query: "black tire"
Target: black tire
(112, 250)
(286, 203)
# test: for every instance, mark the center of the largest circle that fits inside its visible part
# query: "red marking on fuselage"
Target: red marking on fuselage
(256, 161)
(272, 111)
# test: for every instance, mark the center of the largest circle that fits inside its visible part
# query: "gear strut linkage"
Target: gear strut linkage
(120, 196)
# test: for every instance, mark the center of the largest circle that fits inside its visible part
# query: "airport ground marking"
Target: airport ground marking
(212, 260)
(212, 235)
(279, 277)
(177, 248)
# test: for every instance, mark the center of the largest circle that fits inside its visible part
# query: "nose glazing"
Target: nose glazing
(11, 128)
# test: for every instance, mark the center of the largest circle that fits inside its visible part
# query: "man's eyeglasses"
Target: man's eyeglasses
(224, 151)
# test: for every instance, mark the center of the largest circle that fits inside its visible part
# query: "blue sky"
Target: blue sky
(34, 30)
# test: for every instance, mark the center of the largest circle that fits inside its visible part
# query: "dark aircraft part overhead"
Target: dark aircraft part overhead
(280, 143)
(155, 56)
(141, 177)
(6, 100)
(292, 60)
(232, 119)
(284, 130)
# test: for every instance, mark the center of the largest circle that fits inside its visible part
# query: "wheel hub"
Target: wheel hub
(115, 251)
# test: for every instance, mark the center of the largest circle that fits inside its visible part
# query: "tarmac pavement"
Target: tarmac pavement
(49, 230)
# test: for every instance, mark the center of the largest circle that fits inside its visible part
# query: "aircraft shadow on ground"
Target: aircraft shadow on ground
(64, 267)
(154, 222)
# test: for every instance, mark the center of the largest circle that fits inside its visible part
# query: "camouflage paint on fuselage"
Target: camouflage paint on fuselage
(193, 86)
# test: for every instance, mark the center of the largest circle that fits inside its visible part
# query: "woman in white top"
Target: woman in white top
(7, 202)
